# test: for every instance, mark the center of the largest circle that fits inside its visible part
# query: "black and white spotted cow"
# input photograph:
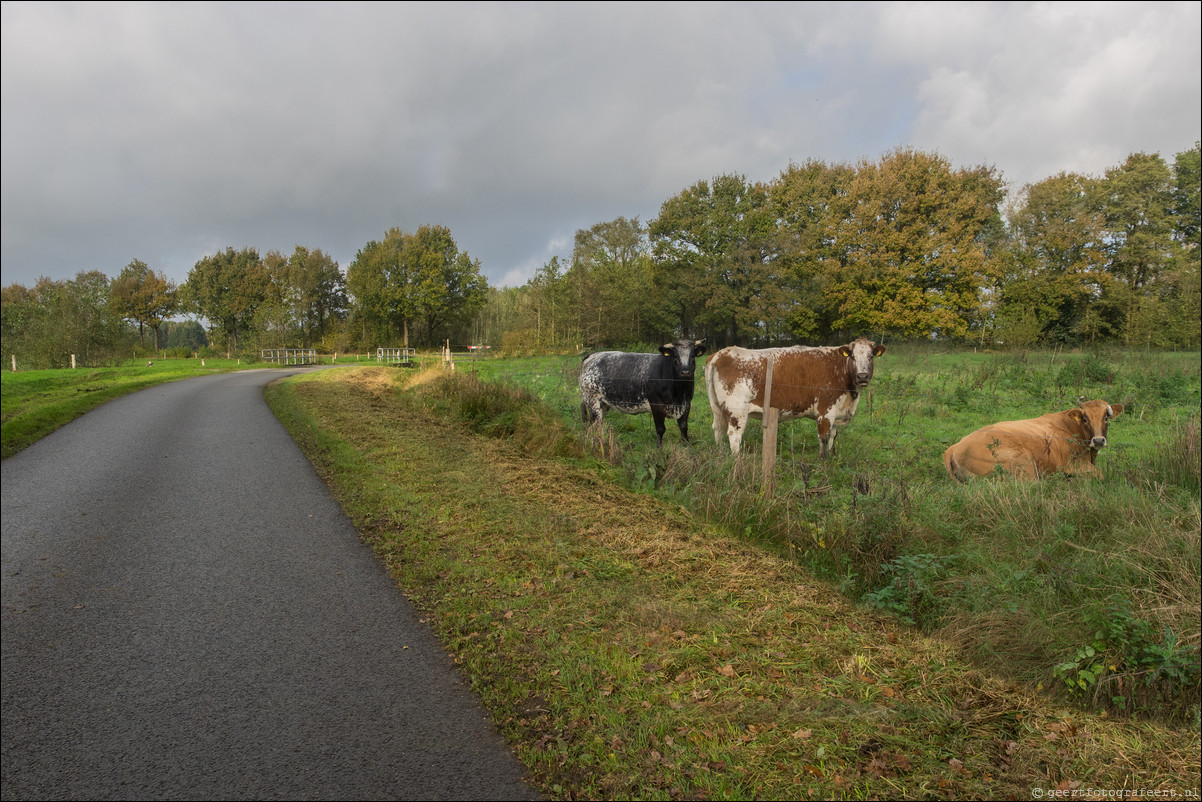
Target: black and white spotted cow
(661, 384)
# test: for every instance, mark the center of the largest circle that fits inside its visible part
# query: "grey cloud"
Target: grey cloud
(162, 132)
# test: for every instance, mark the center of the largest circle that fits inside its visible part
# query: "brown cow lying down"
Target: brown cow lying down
(1065, 442)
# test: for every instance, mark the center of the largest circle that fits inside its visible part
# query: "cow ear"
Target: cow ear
(699, 348)
(1116, 410)
(667, 349)
(844, 352)
(880, 349)
(1077, 415)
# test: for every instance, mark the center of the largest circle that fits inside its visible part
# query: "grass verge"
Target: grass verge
(628, 651)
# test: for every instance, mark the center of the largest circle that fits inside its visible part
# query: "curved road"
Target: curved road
(188, 614)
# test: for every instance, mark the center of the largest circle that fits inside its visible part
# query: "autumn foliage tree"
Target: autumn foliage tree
(909, 246)
(144, 297)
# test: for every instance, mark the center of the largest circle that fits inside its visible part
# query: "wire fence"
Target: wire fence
(950, 399)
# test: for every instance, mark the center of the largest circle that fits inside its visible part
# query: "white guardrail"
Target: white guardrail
(395, 356)
(290, 356)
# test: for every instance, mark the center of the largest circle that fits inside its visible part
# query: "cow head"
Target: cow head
(683, 355)
(1094, 417)
(860, 355)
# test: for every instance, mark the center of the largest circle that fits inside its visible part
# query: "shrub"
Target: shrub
(911, 592)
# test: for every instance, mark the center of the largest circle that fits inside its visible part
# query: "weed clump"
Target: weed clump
(500, 410)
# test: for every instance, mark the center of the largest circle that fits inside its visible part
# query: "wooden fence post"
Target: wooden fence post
(771, 417)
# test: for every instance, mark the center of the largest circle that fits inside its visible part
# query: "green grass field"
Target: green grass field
(36, 402)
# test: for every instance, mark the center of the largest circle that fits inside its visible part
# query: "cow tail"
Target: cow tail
(949, 462)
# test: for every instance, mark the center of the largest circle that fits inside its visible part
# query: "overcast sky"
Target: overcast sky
(165, 132)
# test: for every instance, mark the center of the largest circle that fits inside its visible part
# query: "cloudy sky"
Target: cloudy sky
(165, 132)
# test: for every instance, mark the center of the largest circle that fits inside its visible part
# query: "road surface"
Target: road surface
(188, 614)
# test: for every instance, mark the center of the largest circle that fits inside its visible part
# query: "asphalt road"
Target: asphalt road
(188, 614)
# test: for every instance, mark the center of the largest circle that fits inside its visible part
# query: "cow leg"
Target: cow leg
(660, 428)
(592, 409)
(719, 424)
(734, 433)
(826, 437)
(683, 423)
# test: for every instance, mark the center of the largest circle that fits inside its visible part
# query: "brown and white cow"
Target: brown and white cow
(1059, 442)
(822, 383)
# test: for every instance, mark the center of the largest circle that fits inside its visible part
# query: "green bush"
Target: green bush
(911, 592)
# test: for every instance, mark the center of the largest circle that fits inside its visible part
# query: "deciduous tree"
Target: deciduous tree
(909, 242)
(144, 297)
(801, 200)
(714, 257)
(612, 282)
(227, 288)
(1053, 271)
(416, 277)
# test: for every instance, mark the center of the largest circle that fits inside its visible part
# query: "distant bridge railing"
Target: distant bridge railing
(395, 356)
(290, 356)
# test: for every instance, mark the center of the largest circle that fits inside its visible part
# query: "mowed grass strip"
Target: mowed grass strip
(627, 650)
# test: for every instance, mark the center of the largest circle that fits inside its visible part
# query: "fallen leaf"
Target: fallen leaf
(727, 671)
(878, 768)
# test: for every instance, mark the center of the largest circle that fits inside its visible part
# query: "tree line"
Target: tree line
(903, 247)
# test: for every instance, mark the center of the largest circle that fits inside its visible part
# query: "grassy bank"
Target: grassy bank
(1088, 588)
(628, 650)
